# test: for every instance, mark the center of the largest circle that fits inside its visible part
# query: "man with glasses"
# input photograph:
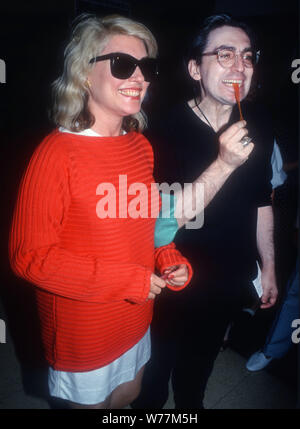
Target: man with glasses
(235, 244)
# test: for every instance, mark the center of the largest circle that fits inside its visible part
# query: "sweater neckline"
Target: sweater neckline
(93, 136)
(89, 132)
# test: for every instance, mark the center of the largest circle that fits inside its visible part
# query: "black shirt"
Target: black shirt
(184, 146)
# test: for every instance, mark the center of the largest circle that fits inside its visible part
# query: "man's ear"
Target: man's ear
(194, 70)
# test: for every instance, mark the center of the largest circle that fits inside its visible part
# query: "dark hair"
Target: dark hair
(211, 23)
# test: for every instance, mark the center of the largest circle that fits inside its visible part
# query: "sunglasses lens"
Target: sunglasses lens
(123, 66)
(148, 67)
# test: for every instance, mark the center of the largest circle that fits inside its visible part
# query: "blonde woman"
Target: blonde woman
(91, 261)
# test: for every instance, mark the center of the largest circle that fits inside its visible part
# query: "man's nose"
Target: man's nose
(238, 63)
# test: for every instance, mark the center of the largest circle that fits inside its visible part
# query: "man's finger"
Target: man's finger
(249, 148)
(231, 131)
(267, 301)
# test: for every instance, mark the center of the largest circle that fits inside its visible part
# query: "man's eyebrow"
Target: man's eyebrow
(232, 48)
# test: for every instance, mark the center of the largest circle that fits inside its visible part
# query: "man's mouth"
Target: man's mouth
(232, 81)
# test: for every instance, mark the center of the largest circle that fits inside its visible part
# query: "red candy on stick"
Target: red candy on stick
(237, 97)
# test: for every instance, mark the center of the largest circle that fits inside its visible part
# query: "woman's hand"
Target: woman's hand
(156, 286)
(176, 275)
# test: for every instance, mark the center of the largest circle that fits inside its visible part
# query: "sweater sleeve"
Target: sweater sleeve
(166, 256)
(36, 253)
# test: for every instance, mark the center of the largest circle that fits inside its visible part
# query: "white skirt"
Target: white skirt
(93, 387)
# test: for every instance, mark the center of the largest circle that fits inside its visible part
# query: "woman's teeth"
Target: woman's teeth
(130, 92)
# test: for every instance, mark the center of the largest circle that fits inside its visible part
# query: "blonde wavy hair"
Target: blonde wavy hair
(89, 37)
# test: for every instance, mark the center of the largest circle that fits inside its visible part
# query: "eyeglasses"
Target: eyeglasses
(226, 57)
(122, 66)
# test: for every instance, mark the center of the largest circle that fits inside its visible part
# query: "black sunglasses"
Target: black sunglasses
(122, 66)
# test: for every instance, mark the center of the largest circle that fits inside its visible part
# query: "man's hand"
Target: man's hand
(156, 285)
(176, 275)
(231, 152)
(231, 155)
(269, 287)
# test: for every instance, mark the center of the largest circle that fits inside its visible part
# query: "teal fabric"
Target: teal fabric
(166, 224)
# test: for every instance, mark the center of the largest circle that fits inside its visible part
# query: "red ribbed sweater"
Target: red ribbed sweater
(92, 275)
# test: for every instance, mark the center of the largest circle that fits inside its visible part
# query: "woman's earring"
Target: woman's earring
(88, 83)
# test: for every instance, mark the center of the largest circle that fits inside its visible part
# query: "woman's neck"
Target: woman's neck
(106, 124)
(107, 130)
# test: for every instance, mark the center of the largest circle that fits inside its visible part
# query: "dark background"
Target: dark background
(32, 36)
